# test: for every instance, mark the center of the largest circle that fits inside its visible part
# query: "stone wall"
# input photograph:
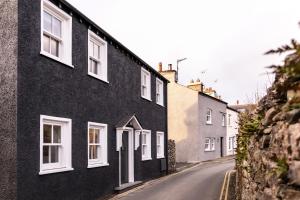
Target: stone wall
(8, 98)
(268, 153)
(171, 156)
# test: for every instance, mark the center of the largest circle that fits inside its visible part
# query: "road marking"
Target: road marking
(151, 182)
(228, 181)
(223, 185)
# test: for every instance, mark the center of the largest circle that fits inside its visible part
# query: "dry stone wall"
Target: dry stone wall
(268, 158)
(171, 156)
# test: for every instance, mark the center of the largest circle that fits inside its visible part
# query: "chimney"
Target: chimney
(237, 102)
(160, 67)
(196, 85)
(201, 87)
(168, 74)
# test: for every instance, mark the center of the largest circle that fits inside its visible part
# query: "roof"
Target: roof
(230, 108)
(242, 106)
(102, 33)
(127, 119)
(219, 100)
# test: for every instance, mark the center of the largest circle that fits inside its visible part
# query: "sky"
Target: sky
(223, 41)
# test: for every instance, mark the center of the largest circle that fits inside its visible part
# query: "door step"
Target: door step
(127, 186)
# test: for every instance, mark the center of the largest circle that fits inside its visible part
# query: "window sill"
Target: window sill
(160, 104)
(160, 157)
(52, 171)
(209, 150)
(97, 77)
(97, 165)
(208, 123)
(148, 99)
(145, 159)
(56, 59)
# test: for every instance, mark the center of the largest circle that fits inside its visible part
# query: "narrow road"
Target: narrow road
(202, 182)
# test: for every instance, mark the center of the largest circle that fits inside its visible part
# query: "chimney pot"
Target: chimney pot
(198, 80)
(237, 102)
(170, 66)
(192, 81)
(201, 87)
(160, 67)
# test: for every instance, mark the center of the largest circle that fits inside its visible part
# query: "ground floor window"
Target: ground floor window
(146, 145)
(209, 144)
(55, 144)
(97, 144)
(231, 143)
(160, 138)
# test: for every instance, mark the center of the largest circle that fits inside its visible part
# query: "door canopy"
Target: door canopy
(128, 122)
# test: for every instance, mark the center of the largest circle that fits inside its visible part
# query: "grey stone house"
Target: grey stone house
(196, 120)
(80, 114)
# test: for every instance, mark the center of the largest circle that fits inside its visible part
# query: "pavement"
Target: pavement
(203, 181)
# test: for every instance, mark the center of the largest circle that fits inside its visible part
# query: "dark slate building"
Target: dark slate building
(81, 115)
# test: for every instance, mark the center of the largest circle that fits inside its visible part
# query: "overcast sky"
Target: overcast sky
(225, 38)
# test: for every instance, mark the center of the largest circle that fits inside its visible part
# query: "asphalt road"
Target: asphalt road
(202, 182)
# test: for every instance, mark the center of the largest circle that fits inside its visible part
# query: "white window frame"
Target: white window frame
(159, 92)
(102, 160)
(147, 144)
(213, 144)
(65, 154)
(65, 45)
(210, 142)
(209, 115)
(230, 143)
(92, 37)
(223, 119)
(160, 143)
(229, 120)
(146, 83)
(207, 143)
(234, 142)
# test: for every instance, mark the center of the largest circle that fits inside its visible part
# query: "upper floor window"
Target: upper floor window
(209, 116)
(97, 57)
(55, 145)
(160, 147)
(146, 145)
(223, 119)
(145, 84)
(56, 33)
(229, 119)
(159, 92)
(97, 144)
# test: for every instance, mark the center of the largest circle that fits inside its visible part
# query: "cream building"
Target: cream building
(196, 121)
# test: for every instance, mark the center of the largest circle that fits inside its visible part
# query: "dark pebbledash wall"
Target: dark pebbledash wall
(47, 87)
